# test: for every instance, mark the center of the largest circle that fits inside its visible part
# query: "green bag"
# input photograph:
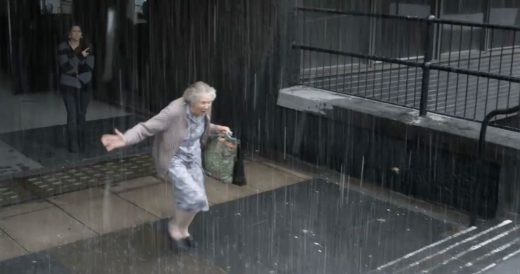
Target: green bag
(220, 156)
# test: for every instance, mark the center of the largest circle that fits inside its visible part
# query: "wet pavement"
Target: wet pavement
(309, 227)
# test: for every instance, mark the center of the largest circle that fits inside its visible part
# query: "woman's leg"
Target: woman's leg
(190, 197)
(178, 228)
(70, 99)
(84, 100)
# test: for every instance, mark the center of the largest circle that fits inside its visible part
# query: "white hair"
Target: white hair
(194, 91)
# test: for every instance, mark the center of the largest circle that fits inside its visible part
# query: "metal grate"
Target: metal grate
(75, 179)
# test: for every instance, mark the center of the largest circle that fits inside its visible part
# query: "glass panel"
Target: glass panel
(399, 38)
(462, 8)
(504, 12)
(56, 6)
(137, 11)
(419, 8)
(338, 32)
(456, 38)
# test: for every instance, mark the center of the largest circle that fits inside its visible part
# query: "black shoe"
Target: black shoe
(190, 242)
(183, 244)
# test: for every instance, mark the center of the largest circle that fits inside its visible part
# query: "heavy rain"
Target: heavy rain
(259, 136)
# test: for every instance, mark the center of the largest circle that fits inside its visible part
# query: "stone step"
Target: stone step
(450, 252)
(483, 252)
(490, 259)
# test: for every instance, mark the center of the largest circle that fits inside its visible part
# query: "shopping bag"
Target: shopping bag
(220, 156)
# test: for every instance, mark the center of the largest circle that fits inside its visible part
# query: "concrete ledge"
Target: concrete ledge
(322, 102)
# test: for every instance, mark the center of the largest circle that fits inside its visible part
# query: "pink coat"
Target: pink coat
(170, 128)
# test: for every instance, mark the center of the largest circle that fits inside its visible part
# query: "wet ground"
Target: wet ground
(98, 212)
(307, 227)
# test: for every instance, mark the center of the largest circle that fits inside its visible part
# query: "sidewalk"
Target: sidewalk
(58, 220)
(282, 221)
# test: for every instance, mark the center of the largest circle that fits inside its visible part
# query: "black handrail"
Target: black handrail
(410, 63)
(425, 65)
(362, 14)
(485, 122)
(408, 18)
(358, 55)
(480, 153)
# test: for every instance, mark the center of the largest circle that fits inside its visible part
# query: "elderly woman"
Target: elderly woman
(179, 130)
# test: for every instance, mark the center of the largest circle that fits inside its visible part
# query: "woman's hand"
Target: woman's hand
(85, 52)
(113, 141)
(222, 130)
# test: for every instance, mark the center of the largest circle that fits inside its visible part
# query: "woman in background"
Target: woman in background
(76, 63)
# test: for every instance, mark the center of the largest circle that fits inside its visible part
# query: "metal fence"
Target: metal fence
(454, 68)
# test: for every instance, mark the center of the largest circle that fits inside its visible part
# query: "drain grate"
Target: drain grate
(14, 194)
(75, 179)
(8, 194)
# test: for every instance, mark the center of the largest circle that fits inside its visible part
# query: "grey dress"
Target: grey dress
(186, 168)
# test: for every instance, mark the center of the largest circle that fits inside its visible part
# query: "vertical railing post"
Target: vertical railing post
(292, 31)
(10, 30)
(428, 52)
(484, 32)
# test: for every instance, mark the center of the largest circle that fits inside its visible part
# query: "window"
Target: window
(505, 12)
(458, 7)
(56, 6)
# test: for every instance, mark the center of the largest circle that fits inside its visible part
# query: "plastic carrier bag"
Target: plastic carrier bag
(221, 160)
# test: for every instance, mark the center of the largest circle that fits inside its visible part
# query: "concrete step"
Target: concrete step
(480, 254)
(467, 251)
(492, 258)
(429, 250)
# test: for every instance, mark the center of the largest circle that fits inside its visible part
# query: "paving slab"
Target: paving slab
(308, 227)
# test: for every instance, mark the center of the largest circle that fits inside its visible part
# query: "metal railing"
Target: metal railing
(460, 69)
(480, 167)
(450, 67)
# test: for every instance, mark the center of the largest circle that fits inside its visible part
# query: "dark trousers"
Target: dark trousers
(76, 102)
